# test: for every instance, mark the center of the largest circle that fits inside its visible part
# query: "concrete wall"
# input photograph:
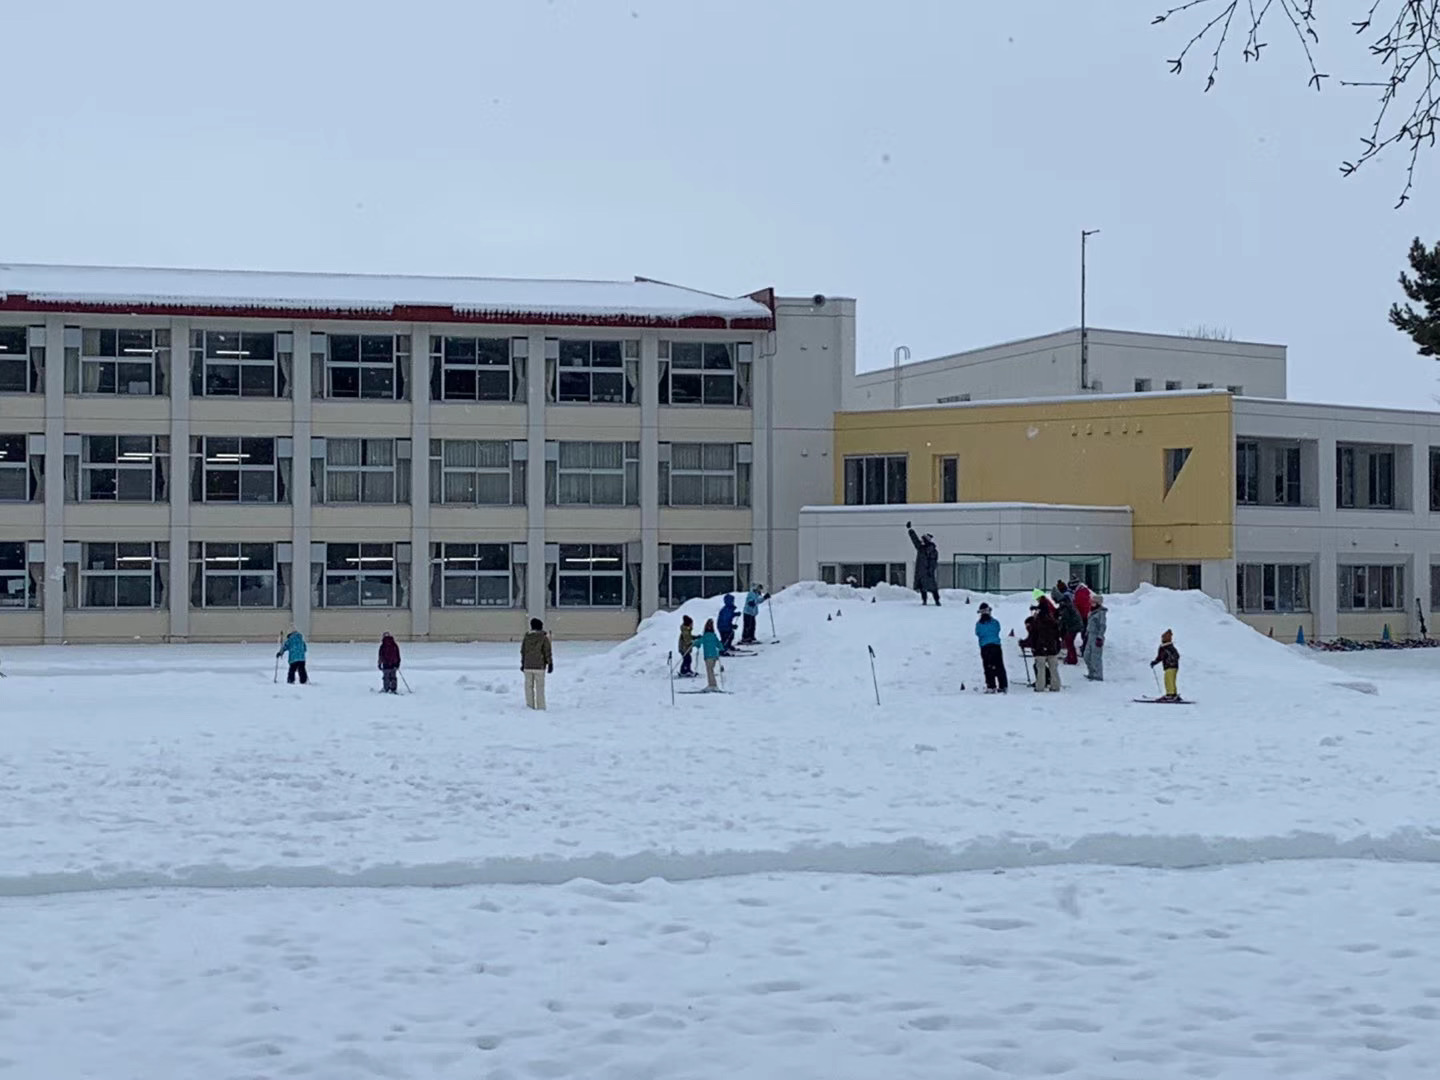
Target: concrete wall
(840, 534)
(1049, 366)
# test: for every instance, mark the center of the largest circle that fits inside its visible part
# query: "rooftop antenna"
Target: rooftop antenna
(1085, 234)
(902, 356)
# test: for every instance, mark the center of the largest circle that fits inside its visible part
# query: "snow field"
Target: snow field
(785, 881)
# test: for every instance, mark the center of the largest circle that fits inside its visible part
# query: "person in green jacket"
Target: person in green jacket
(536, 661)
(710, 649)
(687, 646)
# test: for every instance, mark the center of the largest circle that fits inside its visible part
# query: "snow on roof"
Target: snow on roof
(30, 287)
(969, 507)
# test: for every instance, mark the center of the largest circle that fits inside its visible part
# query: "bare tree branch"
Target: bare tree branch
(1406, 49)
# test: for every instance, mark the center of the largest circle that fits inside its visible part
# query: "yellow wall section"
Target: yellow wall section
(1098, 453)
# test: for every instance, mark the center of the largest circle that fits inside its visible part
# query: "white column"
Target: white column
(300, 394)
(649, 474)
(1325, 591)
(54, 479)
(535, 592)
(762, 479)
(179, 479)
(420, 480)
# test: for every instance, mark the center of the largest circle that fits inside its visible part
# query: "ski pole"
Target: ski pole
(1158, 688)
(670, 670)
(404, 680)
(870, 649)
(276, 677)
(774, 637)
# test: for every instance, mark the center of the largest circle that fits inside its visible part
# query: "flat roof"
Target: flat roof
(1148, 395)
(32, 287)
(907, 508)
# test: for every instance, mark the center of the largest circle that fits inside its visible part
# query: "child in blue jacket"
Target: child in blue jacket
(726, 625)
(753, 599)
(294, 644)
(992, 655)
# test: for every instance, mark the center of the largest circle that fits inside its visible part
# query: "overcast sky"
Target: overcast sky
(934, 159)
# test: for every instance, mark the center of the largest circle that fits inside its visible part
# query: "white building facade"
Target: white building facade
(208, 456)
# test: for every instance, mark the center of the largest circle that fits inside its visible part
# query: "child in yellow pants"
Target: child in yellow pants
(1169, 658)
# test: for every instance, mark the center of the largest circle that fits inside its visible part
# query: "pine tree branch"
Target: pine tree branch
(1406, 50)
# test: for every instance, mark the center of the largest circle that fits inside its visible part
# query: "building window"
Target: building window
(119, 468)
(124, 575)
(361, 576)
(131, 362)
(475, 575)
(367, 367)
(951, 399)
(594, 372)
(1177, 575)
(705, 474)
(1435, 480)
(703, 570)
(1204, 386)
(1247, 473)
(592, 474)
(476, 472)
(228, 469)
(22, 474)
(1142, 386)
(1236, 389)
(863, 575)
(1365, 477)
(22, 360)
(237, 576)
(1272, 587)
(478, 369)
(877, 480)
(234, 363)
(17, 582)
(361, 471)
(705, 373)
(1434, 587)
(1286, 475)
(588, 575)
(949, 479)
(1175, 459)
(1371, 588)
(1174, 384)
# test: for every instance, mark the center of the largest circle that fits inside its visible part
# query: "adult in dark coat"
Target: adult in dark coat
(1042, 638)
(1071, 624)
(927, 561)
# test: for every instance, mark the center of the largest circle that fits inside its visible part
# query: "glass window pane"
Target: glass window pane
(342, 556)
(459, 350)
(222, 590)
(257, 485)
(607, 590)
(574, 590)
(137, 485)
(377, 382)
(606, 354)
(685, 354)
(342, 590)
(494, 557)
(344, 349)
(458, 590)
(258, 451)
(99, 591)
(257, 380)
(607, 489)
(460, 385)
(494, 590)
(687, 557)
(257, 590)
(719, 390)
(720, 457)
(685, 389)
(574, 354)
(377, 591)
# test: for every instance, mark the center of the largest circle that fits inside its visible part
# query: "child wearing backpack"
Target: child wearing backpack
(1169, 658)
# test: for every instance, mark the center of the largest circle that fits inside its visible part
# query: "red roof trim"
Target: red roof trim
(395, 313)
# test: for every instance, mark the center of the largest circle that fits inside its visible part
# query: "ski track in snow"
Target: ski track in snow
(203, 873)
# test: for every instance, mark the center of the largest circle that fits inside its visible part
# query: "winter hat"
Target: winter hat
(686, 620)
(1166, 638)
(1097, 601)
(984, 609)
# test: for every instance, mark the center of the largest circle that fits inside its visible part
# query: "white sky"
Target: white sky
(934, 159)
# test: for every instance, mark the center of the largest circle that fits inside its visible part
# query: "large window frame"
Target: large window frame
(226, 576)
(361, 576)
(119, 468)
(865, 575)
(479, 369)
(592, 371)
(19, 587)
(1181, 576)
(354, 470)
(876, 479)
(701, 571)
(706, 474)
(1273, 588)
(360, 367)
(1363, 587)
(241, 363)
(130, 575)
(22, 473)
(589, 576)
(1375, 480)
(240, 469)
(124, 362)
(592, 473)
(713, 374)
(483, 575)
(477, 472)
(22, 360)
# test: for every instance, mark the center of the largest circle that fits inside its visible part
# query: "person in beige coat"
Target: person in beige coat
(536, 661)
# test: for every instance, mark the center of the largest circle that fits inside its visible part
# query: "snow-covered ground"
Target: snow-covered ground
(205, 873)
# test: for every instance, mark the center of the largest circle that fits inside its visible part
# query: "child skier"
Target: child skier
(389, 664)
(992, 656)
(1094, 650)
(1169, 658)
(687, 645)
(753, 599)
(727, 625)
(294, 644)
(710, 649)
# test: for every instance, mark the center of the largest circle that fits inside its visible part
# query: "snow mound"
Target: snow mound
(826, 633)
